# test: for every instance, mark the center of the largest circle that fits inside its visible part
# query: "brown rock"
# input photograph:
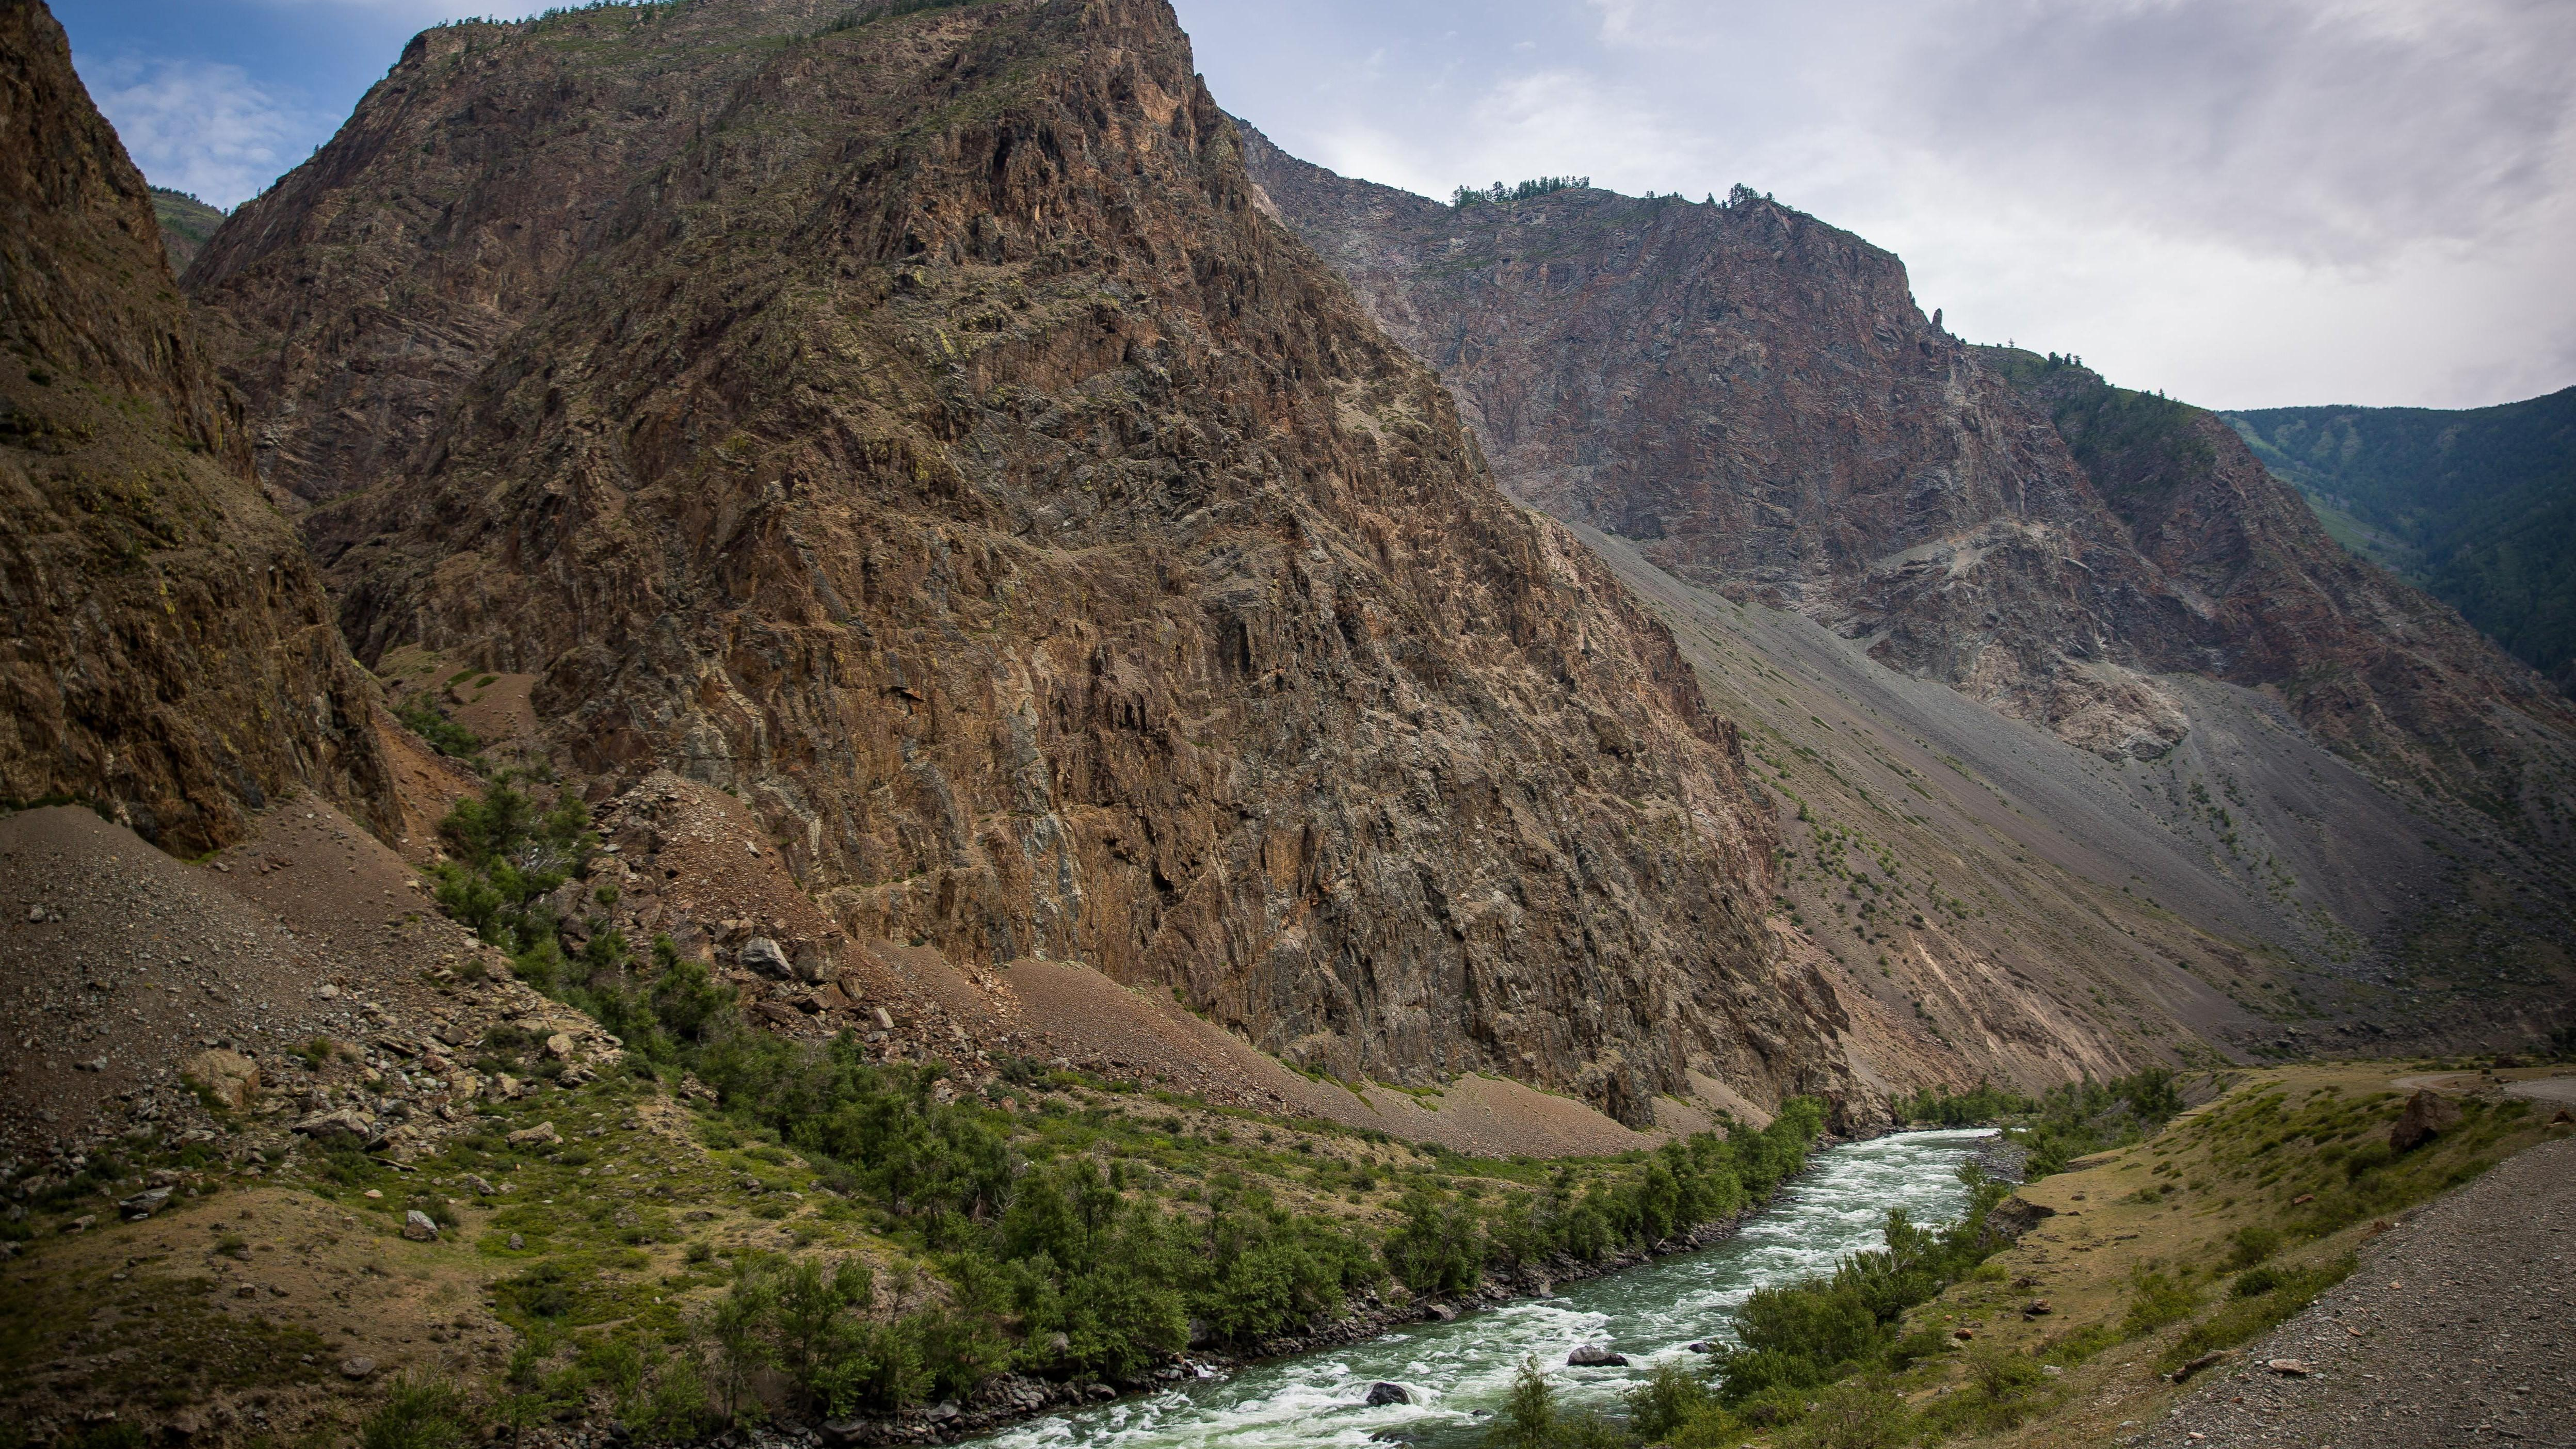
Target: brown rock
(1749, 400)
(1109, 589)
(170, 653)
(229, 1077)
(2011, 525)
(2425, 1116)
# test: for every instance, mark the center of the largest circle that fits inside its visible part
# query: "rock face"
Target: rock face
(935, 445)
(1754, 398)
(169, 653)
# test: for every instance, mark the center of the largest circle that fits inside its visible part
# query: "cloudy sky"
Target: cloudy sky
(2246, 203)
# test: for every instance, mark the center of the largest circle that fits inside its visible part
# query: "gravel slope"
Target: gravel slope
(2457, 1330)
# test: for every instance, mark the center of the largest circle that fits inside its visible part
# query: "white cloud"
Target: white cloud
(200, 128)
(2245, 204)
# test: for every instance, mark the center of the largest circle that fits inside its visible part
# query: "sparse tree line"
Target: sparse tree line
(1499, 193)
(1064, 1266)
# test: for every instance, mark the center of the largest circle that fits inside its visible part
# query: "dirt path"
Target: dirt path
(2554, 1085)
(2458, 1329)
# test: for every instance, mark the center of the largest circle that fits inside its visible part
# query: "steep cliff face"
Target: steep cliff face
(1755, 399)
(933, 444)
(1748, 402)
(169, 653)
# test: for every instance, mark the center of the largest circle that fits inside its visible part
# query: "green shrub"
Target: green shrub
(444, 734)
(2157, 1298)
(670, 1408)
(2002, 1390)
(420, 1413)
(1802, 1335)
(1530, 1419)
(1979, 1105)
(2278, 1295)
(1672, 1397)
(2251, 1245)
(1855, 1415)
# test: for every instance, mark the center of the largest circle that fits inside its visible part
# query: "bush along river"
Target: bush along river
(1455, 1374)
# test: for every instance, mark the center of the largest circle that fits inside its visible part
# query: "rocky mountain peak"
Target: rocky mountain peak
(932, 443)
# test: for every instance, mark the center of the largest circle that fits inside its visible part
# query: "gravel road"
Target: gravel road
(2459, 1329)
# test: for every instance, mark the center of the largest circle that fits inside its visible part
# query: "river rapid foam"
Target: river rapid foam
(1459, 1372)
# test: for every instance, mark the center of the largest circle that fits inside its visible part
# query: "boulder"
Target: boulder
(346, 1125)
(1593, 1355)
(418, 1227)
(144, 1204)
(2289, 1367)
(2426, 1116)
(762, 956)
(559, 1046)
(229, 1077)
(356, 1368)
(541, 1135)
(1382, 1394)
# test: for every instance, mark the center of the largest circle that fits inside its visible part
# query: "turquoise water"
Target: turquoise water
(1456, 1369)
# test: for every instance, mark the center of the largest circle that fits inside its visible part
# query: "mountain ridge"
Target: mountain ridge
(1056, 562)
(1753, 401)
(2469, 504)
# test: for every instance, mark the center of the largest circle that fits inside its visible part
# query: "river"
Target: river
(1454, 1370)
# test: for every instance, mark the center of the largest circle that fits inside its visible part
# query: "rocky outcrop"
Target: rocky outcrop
(1754, 398)
(169, 654)
(935, 447)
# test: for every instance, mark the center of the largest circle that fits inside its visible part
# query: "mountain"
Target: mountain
(186, 222)
(1751, 405)
(2476, 506)
(908, 423)
(171, 657)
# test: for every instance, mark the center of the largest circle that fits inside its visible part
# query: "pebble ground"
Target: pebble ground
(2458, 1329)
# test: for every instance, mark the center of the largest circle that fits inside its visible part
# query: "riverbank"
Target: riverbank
(2147, 1276)
(1012, 1399)
(1648, 1312)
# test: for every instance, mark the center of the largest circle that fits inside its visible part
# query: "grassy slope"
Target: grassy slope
(2278, 1152)
(590, 1273)
(186, 222)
